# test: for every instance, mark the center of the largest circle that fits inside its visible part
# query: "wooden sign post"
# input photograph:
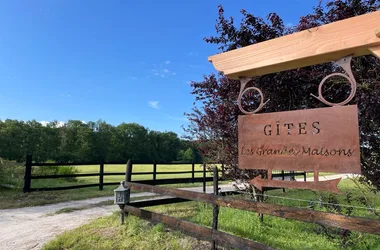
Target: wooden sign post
(316, 140)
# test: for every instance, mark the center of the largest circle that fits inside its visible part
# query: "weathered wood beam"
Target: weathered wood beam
(329, 219)
(195, 230)
(330, 42)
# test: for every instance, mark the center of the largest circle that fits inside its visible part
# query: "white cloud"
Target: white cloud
(167, 62)
(173, 73)
(166, 71)
(133, 78)
(59, 124)
(154, 104)
(44, 123)
(162, 75)
(156, 74)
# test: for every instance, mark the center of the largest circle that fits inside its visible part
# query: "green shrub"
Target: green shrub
(11, 173)
(68, 170)
(56, 170)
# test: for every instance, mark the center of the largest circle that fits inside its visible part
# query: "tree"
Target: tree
(188, 155)
(214, 122)
(92, 141)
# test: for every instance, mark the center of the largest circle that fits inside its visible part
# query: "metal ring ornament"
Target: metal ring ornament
(244, 82)
(345, 63)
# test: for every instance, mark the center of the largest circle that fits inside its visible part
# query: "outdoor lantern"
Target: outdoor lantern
(122, 195)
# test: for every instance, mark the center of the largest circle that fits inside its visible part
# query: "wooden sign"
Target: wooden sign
(319, 140)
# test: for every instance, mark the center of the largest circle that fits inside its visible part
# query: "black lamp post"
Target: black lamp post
(122, 197)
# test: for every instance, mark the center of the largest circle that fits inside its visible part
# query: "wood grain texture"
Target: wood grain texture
(328, 185)
(375, 51)
(328, 219)
(322, 44)
(323, 139)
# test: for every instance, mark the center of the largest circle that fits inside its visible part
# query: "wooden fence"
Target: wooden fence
(221, 238)
(154, 181)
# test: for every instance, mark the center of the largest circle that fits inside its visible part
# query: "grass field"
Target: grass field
(275, 232)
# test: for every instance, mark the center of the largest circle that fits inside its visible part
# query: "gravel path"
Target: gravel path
(32, 227)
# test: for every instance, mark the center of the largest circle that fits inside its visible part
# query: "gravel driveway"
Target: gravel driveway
(32, 227)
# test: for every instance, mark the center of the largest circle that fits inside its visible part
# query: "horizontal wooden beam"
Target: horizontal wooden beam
(62, 176)
(63, 188)
(200, 232)
(306, 215)
(353, 36)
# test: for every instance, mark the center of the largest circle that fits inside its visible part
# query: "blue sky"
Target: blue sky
(117, 60)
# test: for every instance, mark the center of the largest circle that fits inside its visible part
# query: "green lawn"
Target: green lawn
(121, 169)
(140, 168)
(274, 231)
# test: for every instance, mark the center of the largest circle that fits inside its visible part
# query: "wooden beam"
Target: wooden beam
(321, 44)
(375, 51)
(306, 215)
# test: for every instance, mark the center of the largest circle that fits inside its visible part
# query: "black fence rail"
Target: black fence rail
(154, 173)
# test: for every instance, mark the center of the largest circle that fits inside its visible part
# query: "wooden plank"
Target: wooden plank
(28, 174)
(101, 175)
(163, 181)
(329, 219)
(157, 202)
(323, 139)
(327, 185)
(375, 51)
(63, 176)
(114, 173)
(195, 230)
(215, 209)
(175, 181)
(322, 44)
(64, 188)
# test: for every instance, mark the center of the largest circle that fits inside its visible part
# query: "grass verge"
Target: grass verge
(106, 233)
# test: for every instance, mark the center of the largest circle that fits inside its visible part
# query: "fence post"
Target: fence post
(154, 172)
(28, 173)
(101, 174)
(283, 178)
(304, 176)
(222, 170)
(204, 177)
(192, 172)
(215, 213)
(128, 178)
(128, 172)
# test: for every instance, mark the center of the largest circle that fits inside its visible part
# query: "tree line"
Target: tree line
(91, 141)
